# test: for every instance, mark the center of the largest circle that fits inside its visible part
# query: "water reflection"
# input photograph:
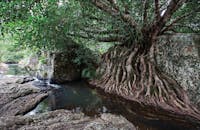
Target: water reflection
(78, 97)
(75, 96)
(41, 108)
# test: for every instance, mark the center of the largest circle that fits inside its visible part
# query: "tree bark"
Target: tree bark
(131, 72)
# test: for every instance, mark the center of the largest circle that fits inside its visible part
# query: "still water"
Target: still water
(80, 97)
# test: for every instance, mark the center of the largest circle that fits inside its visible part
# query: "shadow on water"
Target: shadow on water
(80, 97)
(75, 96)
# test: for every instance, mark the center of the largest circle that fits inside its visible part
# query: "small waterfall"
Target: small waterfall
(52, 85)
(50, 64)
(45, 71)
(45, 83)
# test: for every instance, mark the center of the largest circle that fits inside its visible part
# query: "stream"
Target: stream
(81, 97)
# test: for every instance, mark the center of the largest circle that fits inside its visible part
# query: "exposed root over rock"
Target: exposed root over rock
(132, 73)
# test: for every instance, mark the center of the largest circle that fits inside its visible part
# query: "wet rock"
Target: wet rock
(65, 120)
(17, 98)
(3, 68)
(24, 80)
(179, 56)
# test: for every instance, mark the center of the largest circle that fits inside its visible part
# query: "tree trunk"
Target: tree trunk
(131, 72)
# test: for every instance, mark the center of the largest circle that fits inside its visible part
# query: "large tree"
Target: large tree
(129, 68)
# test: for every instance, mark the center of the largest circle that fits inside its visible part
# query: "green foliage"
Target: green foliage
(42, 59)
(47, 26)
(9, 53)
(54, 25)
(189, 24)
(85, 56)
(11, 57)
(88, 73)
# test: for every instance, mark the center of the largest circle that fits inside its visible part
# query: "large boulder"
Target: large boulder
(57, 67)
(18, 95)
(63, 67)
(65, 120)
(179, 56)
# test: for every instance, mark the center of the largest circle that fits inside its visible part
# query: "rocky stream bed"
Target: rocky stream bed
(29, 104)
(19, 96)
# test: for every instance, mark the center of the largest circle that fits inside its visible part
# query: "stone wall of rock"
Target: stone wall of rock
(57, 67)
(179, 56)
(65, 120)
(18, 95)
(63, 67)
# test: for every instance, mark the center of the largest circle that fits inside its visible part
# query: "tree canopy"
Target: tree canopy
(129, 68)
(50, 22)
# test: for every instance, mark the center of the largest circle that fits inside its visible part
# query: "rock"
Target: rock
(3, 68)
(179, 56)
(110, 122)
(24, 80)
(64, 69)
(30, 64)
(45, 68)
(36, 67)
(65, 120)
(17, 98)
(58, 67)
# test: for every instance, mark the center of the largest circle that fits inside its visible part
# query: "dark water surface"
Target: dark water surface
(80, 97)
